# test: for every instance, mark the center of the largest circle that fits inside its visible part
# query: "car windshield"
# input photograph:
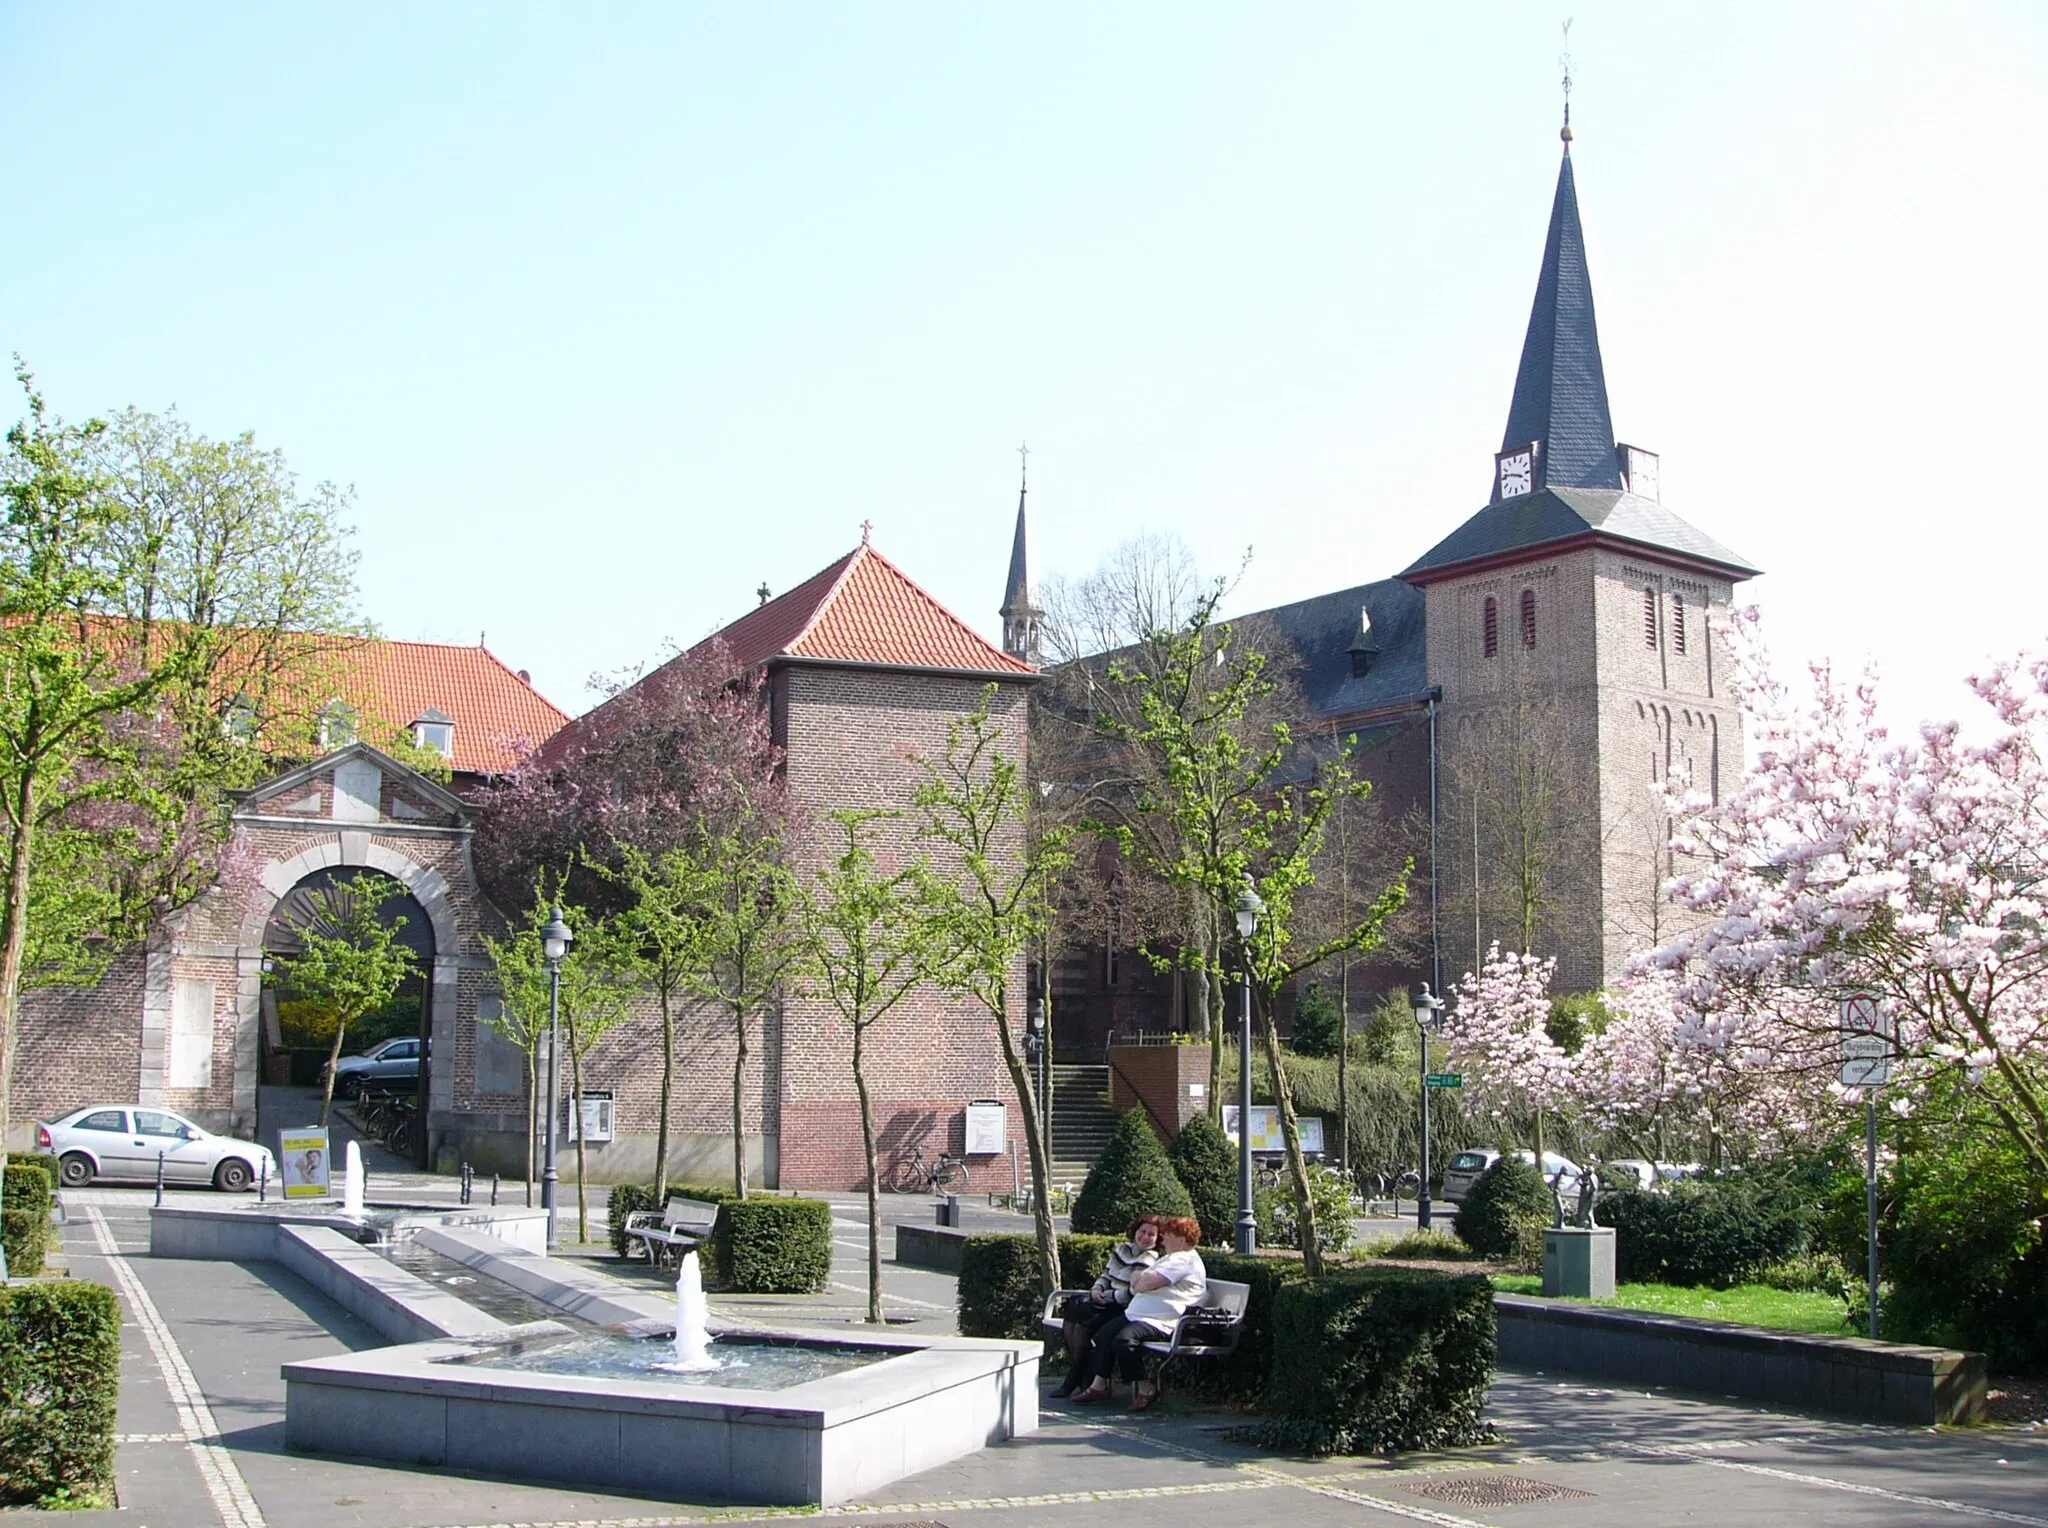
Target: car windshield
(1464, 1159)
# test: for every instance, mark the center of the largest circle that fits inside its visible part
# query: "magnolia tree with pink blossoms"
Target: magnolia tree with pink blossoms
(1849, 862)
(1498, 1029)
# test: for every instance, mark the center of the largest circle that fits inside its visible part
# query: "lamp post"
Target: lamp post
(1428, 1014)
(1248, 909)
(554, 944)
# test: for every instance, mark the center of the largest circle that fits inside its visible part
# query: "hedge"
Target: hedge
(25, 1215)
(1132, 1177)
(999, 1297)
(1380, 1360)
(1716, 1232)
(1504, 1213)
(1206, 1164)
(60, 1375)
(763, 1244)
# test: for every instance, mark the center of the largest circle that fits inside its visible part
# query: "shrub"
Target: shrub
(60, 1375)
(1318, 1023)
(1132, 1178)
(1718, 1232)
(1380, 1360)
(1422, 1246)
(1504, 1213)
(1330, 1195)
(999, 1293)
(1206, 1164)
(34, 1162)
(774, 1245)
(25, 1216)
(1244, 1376)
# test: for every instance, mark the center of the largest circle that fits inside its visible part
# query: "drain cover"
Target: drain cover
(1490, 1490)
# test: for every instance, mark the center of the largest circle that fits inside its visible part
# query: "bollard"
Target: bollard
(467, 1179)
(494, 1191)
(263, 1181)
(159, 1179)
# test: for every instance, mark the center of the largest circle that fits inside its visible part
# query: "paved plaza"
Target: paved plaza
(202, 1428)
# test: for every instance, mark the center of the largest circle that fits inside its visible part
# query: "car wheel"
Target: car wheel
(232, 1176)
(75, 1170)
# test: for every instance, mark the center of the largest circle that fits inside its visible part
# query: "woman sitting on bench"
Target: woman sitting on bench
(1160, 1296)
(1083, 1315)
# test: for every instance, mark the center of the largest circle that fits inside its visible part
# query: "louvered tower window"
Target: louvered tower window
(1678, 624)
(1528, 618)
(1489, 627)
(1650, 618)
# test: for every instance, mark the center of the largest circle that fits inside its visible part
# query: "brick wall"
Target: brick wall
(80, 1045)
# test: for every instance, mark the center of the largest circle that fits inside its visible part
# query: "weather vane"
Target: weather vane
(1023, 465)
(1564, 61)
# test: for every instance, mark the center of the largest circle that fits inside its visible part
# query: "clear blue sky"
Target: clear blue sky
(611, 313)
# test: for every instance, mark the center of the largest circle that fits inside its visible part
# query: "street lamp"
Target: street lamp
(1429, 1011)
(554, 944)
(1248, 909)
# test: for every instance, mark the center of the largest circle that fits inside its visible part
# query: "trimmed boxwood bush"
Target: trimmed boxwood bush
(1718, 1232)
(1380, 1360)
(774, 1246)
(1504, 1213)
(60, 1375)
(25, 1215)
(1131, 1178)
(782, 1247)
(1206, 1164)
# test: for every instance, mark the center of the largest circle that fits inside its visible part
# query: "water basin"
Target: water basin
(740, 1361)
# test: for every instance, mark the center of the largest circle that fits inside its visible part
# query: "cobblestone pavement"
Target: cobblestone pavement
(202, 1422)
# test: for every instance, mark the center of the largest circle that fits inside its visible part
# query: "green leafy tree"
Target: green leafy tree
(1206, 1164)
(666, 919)
(987, 914)
(865, 942)
(350, 960)
(603, 971)
(1318, 1026)
(522, 973)
(1132, 1177)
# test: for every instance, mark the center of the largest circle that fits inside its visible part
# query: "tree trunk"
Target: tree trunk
(13, 950)
(668, 1083)
(867, 1145)
(333, 1056)
(576, 1113)
(739, 1101)
(1290, 1135)
(1041, 1162)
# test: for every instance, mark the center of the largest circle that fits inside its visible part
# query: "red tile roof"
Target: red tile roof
(864, 609)
(496, 712)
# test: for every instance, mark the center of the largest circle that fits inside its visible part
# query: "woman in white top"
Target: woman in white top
(1160, 1296)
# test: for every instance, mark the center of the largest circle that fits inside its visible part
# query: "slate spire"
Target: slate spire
(1561, 389)
(1023, 617)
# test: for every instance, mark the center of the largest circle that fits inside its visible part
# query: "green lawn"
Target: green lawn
(1751, 1304)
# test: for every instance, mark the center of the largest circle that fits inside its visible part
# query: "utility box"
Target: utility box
(1578, 1262)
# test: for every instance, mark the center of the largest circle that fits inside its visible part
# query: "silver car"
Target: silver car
(122, 1142)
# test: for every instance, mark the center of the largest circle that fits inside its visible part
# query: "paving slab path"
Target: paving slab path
(201, 1424)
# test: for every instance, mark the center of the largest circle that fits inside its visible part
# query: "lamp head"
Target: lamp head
(1427, 1005)
(555, 938)
(1248, 909)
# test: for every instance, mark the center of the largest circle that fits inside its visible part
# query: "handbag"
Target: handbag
(1081, 1308)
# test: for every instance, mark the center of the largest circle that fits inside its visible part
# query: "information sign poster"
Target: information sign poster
(303, 1158)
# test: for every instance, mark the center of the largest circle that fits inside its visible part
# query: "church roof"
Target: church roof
(864, 609)
(1323, 631)
(1551, 516)
(495, 711)
(1560, 387)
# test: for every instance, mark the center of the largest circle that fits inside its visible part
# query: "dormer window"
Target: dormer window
(1489, 627)
(238, 720)
(1363, 649)
(337, 725)
(1528, 618)
(435, 729)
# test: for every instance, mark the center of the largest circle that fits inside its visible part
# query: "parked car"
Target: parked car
(119, 1142)
(1629, 1172)
(1467, 1166)
(393, 1063)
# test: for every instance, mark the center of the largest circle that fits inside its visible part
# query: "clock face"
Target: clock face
(1517, 472)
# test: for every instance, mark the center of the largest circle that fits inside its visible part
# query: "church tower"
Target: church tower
(1575, 627)
(1023, 617)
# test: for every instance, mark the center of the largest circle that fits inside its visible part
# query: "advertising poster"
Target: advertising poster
(303, 1157)
(1266, 1138)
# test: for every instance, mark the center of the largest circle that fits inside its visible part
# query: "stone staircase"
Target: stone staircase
(1081, 1121)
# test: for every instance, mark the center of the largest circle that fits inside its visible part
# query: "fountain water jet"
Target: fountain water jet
(352, 1181)
(693, 1315)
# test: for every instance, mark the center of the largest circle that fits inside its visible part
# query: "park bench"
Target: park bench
(1210, 1330)
(682, 1227)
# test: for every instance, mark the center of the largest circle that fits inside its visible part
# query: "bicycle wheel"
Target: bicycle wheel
(949, 1177)
(1408, 1186)
(910, 1175)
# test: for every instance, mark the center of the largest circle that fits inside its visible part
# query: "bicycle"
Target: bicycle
(947, 1175)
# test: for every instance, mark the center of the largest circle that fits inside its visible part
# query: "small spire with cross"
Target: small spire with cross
(867, 531)
(1023, 467)
(1564, 61)
(761, 594)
